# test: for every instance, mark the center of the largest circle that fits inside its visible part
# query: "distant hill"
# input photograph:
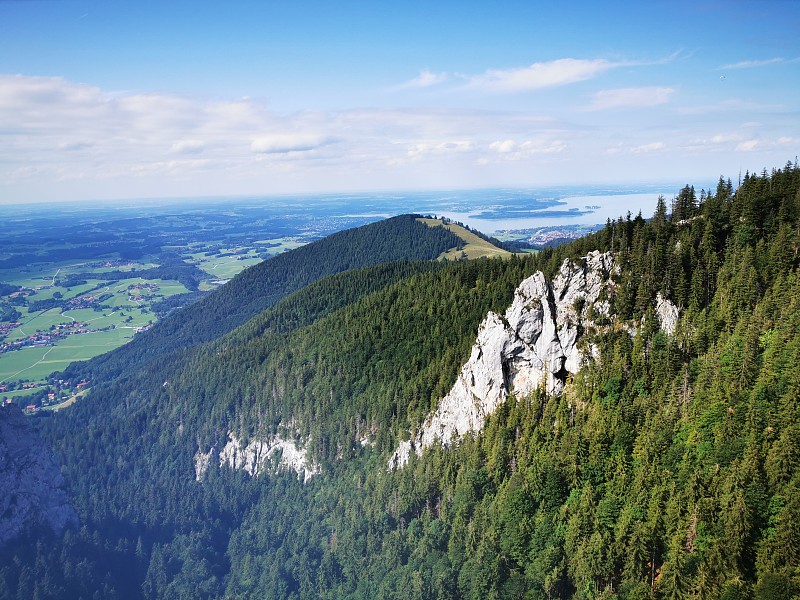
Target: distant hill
(476, 245)
(264, 284)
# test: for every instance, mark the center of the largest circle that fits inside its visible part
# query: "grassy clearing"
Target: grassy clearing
(39, 274)
(285, 243)
(30, 323)
(170, 288)
(120, 321)
(69, 402)
(475, 247)
(87, 345)
(23, 364)
(122, 312)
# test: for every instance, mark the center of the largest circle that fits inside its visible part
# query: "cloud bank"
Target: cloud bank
(61, 139)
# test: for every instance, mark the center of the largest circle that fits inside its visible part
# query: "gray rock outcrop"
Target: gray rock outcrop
(667, 314)
(31, 484)
(259, 456)
(535, 344)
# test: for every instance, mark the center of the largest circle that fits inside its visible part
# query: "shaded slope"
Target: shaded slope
(30, 480)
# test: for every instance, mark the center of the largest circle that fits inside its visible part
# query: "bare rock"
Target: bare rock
(535, 345)
(31, 484)
(667, 314)
(269, 455)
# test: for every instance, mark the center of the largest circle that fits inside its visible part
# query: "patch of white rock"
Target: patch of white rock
(535, 345)
(270, 455)
(667, 314)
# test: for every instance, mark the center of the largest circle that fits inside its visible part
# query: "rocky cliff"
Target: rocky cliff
(272, 454)
(31, 485)
(537, 343)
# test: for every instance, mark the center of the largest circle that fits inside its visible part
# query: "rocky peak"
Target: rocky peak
(31, 484)
(534, 345)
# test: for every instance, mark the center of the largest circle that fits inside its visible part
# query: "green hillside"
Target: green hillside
(667, 469)
(475, 246)
(264, 284)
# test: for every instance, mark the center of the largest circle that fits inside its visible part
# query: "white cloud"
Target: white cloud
(747, 146)
(647, 148)
(421, 149)
(284, 143)
(503, 147)
(513, 150)
(620, 149)
(540, 75)
(74, 146)
(188, 147)
(425, 79)
(631, 97)
(754, 64)
(68, 140)
(722, 138)
(19, 92)
(170, 167)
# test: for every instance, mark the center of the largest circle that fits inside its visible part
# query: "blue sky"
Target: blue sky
(103, 100)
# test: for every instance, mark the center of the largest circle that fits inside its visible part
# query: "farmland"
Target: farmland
(81, 280)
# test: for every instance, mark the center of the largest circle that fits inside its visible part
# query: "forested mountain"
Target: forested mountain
(264, 284)
(667, 467)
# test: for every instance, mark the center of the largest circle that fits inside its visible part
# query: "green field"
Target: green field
(24, 364)
(474, 246)
(119, 317)
(114, 321)
(225, 267)
(36, 364)
(41, 321)
(19, 393)
(286, 243)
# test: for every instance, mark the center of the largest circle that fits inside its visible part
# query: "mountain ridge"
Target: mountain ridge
(264, 284)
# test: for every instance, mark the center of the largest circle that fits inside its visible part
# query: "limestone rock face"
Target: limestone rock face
(31, 484)
(535, 344)
(667, 314)
(259, 456)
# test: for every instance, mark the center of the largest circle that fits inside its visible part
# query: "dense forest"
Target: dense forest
(668, 468)
(264, 284)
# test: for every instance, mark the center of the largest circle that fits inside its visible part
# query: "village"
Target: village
(49, 338)
(56, 393)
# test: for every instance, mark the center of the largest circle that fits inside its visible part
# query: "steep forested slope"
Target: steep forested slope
(666, 469)
(264, 284)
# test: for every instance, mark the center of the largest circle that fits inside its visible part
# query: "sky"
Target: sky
(101, 100)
